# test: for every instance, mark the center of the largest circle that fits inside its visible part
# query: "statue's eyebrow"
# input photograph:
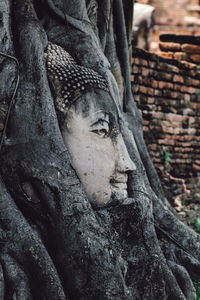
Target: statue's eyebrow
(99, 120)
(99, 116)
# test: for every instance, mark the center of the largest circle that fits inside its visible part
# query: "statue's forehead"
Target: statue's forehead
(96, 104)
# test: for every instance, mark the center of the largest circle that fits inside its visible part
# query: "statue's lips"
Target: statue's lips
(120, 189)
(119, 185)
(120, 182)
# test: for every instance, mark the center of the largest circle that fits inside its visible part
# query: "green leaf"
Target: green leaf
(167, 156)
(197, 287)
(197, 224)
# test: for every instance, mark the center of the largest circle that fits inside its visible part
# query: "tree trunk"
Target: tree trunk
(53, 243)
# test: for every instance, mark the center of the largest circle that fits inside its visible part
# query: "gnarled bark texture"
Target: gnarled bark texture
(53, 244)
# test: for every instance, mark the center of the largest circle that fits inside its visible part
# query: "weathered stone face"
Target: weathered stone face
(90, 129)
(99, 155)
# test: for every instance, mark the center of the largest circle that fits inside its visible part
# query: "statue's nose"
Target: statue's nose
(123, 160)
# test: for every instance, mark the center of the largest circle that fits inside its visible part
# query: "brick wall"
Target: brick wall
(185, 48)
(172, 16)
(171, 12)
(168, 95)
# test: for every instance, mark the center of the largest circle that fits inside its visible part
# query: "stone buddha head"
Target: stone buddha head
(90, 128)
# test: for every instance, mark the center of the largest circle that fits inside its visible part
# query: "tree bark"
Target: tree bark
(53, 243)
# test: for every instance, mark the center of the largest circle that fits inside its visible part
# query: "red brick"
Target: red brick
(183, 161)
(180, 149)
(175, 118)
(158, 115)
(154, 84)
(195, 82)
(169, 76)
(150, 91)
(184, 156)
(178, 78)
(189, 90)
(177, 87)
(195, 143)
(188, 81)
(174, 95)
(196, 167)
(143, 89)
(144, 63)
(197, 138)
(152, 147)
(192, 90)
(150, 100)
(132, 78)
(156, 121)
(145, 122)
(168, 55)
(191, 120)
(137, 61)
(184, 89)
(195, 106)
(183, 144)
(154, 154)
(187, 138)
(189, 48)
(180, 56)
(164, 84)
(168, 130)
(155, 128)
(195, 58)
(173, 137)
(190, 65)
(159, 108)
(166, 142)
(169, 46)
(145, 72)
(191, 131)
(191, 81)
(169, 124)
(140, 80)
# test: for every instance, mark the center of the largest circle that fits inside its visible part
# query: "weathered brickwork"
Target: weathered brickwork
(174, 16)
(185, 48)
(172, 12)
(168, 94)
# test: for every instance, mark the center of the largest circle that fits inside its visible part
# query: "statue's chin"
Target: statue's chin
(116, 195)
(99, 198)
(119, 192)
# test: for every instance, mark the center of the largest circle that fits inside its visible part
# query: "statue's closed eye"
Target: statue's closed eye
(101, 132)
(101, 127)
